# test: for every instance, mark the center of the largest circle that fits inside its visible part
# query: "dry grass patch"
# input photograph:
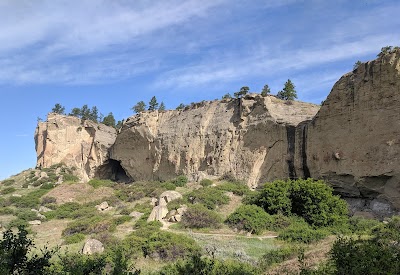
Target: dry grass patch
(79, 192)
(49, 233)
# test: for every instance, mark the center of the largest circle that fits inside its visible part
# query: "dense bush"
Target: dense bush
(206, 182)
(180, 181)
(75, 238)
(301, 231)
(6, 211)
(251, 218)
(31, 200)
(7, 190)
(197, 265)
(237, 188)
(8, 182)
(95, 224)
(362, 226)
(198, 216)
(208, 196)
(276, 256)
(312, 200)
(169, 246)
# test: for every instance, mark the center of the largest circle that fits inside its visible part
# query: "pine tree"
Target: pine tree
(288, 92)
(180, 106)
(109, 120)
(162, 107)
(153, 104)
(139, 107)
(58, 109)
(266, 90)
(227, 96)
(243, 91)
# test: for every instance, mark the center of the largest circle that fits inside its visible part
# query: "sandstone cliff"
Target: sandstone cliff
(354, 140)
(246, 137)
(76, 143)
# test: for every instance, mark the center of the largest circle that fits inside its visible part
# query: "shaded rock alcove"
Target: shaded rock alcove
(112, 169)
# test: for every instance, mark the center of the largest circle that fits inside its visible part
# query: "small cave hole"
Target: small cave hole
(112, 170)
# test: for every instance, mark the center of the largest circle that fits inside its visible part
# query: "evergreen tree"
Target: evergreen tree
(58, 109)
(356, 65)
(288, 92)
(109, 120)
(139, 107)
(243, 91)
(85, 112)
(180, 106)
(162, 107)
(94, 114)
(75, 112)
(153, 104)
(266, 90)
(119, 124)
(227, 96)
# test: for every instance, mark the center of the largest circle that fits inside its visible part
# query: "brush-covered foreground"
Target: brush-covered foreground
(285, 227)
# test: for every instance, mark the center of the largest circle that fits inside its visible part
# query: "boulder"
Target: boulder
(135, 214)
(158, 213)
(103, 206)
(44, 209)
(92, 246)
(35, 222)
(168, 196)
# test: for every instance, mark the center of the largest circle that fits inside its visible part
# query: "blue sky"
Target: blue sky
(113, 54)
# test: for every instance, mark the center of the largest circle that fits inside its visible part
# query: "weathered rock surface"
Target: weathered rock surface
(247, 138)
(74, 142)
(92, 246)
(354, 140)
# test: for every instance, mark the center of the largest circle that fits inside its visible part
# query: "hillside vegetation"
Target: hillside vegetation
(225, 228)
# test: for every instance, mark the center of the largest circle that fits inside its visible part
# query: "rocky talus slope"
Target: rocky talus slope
(352, 141)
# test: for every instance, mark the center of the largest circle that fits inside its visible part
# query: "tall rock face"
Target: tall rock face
(74, 142)
(251, 138)
(354, 140)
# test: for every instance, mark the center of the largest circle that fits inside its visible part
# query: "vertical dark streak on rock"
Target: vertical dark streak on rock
(306, 171)
(291, 138)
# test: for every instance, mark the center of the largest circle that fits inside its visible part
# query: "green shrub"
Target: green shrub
(145, 229)
(364, 257)
(80, 264)
(206, 182)
(8, 182)
(251, 218)
(121, 220)
(279, 222)
(70, 177)
(301, 231)
(208, 196)
(6, 211)
(138, 190)
(8, 190)
(169, 246)
(144, 207)
(95, 224)
(48, 200)
(362, 226)
(31, 200)
(237, 188)
(63, 211)
(96, 183)
(312, 200)
(47, 186)
(175, 204)
(276, 256)
(168, 185)
(75, 238)
(197, 264)
(228, 177)
(26, 215)
(180, 181)
(198, 216)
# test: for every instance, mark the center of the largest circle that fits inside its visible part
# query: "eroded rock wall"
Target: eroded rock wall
(354, 140)
(246, 137)
(74, 142)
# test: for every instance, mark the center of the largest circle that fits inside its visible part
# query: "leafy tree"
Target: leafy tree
(243, 91)
(14, 253)
(385, 50)
(312, 200)
(288, 92)
(181, 106)
(139, 107)
(162, 107)
(227, 96)
(356, 65)
(266, 90)
(153, 104)
(109, 120)
(58, 109)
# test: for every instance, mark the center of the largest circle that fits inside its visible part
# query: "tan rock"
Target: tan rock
(92, 246)
(76, 143)
(102, 206)
(44, 209)
(35, 222)
(136, 214)
(158, 213)
(168, 196)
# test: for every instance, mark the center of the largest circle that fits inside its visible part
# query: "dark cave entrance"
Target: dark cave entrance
(112, 170)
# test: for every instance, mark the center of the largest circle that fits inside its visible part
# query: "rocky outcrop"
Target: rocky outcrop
(77, 143)
(92, 246)
(248, 138)
(354, 140)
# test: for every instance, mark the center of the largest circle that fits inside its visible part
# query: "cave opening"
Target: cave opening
(112, 170)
